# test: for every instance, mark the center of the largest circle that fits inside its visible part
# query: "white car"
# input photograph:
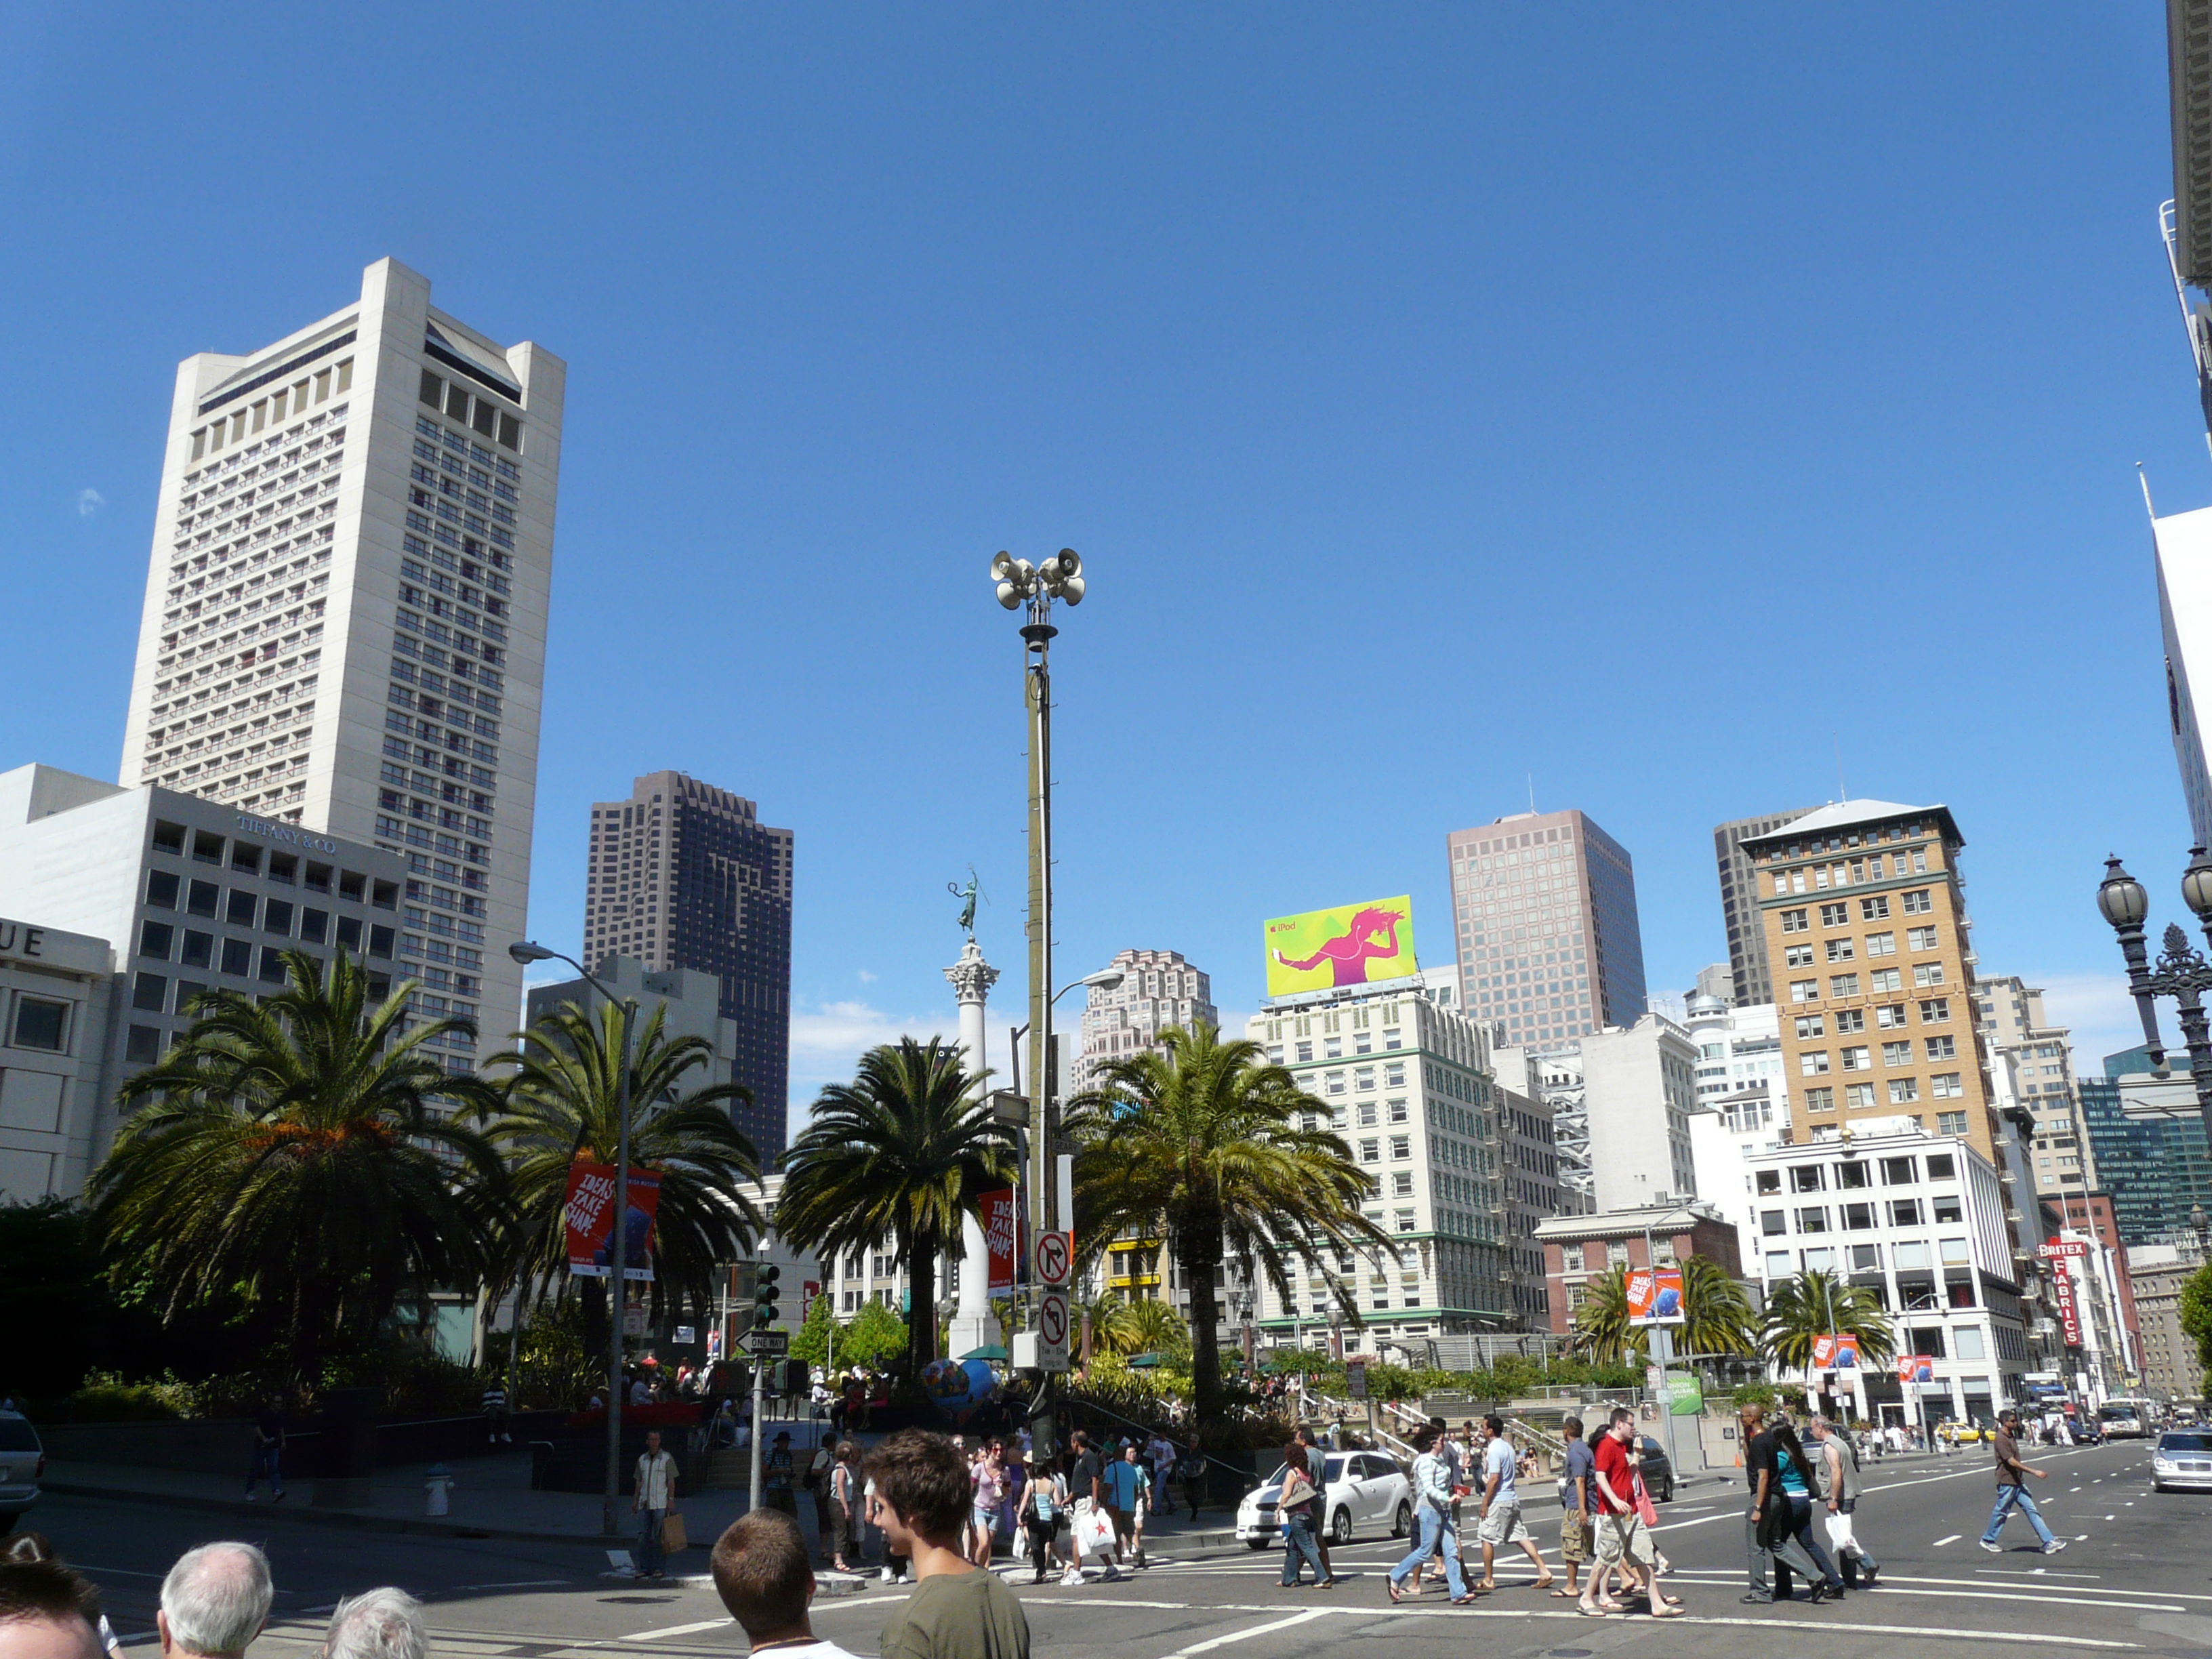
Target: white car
(23, 1460)
(1363, 1489)
(2182, 1461)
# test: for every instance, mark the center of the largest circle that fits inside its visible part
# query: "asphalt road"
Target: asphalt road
(2134, 1581)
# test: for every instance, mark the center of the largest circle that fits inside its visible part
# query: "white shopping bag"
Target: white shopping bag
(1094, 1533)
(1839, 1530)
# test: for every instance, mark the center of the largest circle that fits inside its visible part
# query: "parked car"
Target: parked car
(1362, 1489)
(22, 1462)
(1963, 1433)
(2182, 1461)
(1658, 1471)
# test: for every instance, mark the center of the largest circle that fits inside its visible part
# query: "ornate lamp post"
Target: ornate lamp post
(1019, 584)
(2181, 972)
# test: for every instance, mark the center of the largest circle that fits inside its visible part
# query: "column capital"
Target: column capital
(972, 977)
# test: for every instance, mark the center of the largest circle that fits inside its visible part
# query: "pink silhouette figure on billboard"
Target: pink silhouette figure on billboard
(1372, 935)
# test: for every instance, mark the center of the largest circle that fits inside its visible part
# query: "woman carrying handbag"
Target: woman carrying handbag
(1294, 1508)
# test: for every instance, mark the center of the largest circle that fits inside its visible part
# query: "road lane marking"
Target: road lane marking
(676, 1629)
(516, 1583)
(1953, 1633)
(1245, 1635)
(1953, 1539)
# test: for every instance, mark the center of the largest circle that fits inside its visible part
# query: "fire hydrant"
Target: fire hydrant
(435, 1488)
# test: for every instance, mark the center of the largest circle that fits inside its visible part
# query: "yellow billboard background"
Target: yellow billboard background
(1350, 945)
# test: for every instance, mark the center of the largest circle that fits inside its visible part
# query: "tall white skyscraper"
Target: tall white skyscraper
(345, 617)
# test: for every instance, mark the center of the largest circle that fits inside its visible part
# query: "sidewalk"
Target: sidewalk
(491, 1497)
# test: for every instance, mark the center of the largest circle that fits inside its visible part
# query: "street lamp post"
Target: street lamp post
(524, 951)
(2181, 972)
(1018, 584)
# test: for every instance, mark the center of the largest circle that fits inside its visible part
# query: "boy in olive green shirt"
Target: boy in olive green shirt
(959, 1610)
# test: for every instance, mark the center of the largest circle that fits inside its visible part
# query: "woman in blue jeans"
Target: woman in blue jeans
(1432, 1521)
(1796, 1484)
(1294, 1508)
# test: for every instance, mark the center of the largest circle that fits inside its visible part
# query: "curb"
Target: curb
(345, 1520)
(825, 1583)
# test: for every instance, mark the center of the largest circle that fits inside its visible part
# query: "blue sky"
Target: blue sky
(1655, 403)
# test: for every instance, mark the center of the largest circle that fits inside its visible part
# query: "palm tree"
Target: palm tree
(1123, 1327)
(1716, 1316)
(303, 1150)
(903, 1152)
(1815, 1303)
(1199, 1142)
(557, 1106)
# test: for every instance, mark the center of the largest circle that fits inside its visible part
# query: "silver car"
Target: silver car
(23, 1460)
(1362, 1489)
(2182, 1461)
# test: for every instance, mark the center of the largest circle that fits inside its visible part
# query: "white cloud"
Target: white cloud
(89, 502)
(866, 978)
(829, 1038)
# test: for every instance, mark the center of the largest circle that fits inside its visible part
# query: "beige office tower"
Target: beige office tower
(1865, 916)
(345, 617)
(2009, 1014)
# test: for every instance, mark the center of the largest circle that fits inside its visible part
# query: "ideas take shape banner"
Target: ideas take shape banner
(591, 1221)
(1654, 1296)
(1838, 1352)
(999, 1233)
(1352, 945)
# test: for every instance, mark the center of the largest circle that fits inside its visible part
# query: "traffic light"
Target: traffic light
(765, 1312)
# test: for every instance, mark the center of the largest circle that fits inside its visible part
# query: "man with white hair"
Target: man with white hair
(215, 1602)
(378, 1623)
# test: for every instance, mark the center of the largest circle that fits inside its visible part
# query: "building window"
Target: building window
(1920, 939)
(1795, 921)
(1947, 1208)
(1370, 1152)
(1925, 974)
(155, 939)
(1897, 1054)
(1858, 1059)
(1858, 1096)
(1842, 950)
(1401, 1147)
(1804, 990)
(1835, 915)
(1844, 985)
(1813, 1062)
(1949, 1086)
(1806, 1178)
(1943, 1047)
(1858, 1218)
(40, 1023)
(1874, 909)
(1820, 1100)
(1797, 956)
(141, 1045)
(149, 992)
(1814, 1219)
(1773, 1223)
(1848, 1019)
(1897, 1172)
(1903, 1091)
(1905, 1213)
(1890, 1017)
(1401, 1183)
(1881, 944)
(1809, 1025)
(1918, 902)
(1935, 1011)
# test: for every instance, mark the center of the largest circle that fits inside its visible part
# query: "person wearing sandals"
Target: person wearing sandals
(1294, 1508)
(1623, 1539)
(1432, 1520)
(1577, 1492)
(1501, 1521)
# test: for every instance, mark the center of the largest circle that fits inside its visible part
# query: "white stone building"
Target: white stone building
(185, 895)
(55, 991)
(1633, 1091)
(1919, 1219)
(1407, 1084)
(1159, 990)
(344, 625)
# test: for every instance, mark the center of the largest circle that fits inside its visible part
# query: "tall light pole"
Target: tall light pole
(1018, 584)
(524, 951)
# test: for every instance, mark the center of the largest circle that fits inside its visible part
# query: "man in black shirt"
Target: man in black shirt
(1767, 1535)
(268, 1451)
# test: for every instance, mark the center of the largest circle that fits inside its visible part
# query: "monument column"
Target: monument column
(973, 1327)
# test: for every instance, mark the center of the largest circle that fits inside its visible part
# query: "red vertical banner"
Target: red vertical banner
(591, 1221)
(998, 1232)
(807, 1292)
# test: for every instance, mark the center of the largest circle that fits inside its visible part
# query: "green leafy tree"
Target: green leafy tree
(557, 1106)
(1200, 1142)
(302, 1150)
(2196, 1312)
(1815, 1303)
(1123, 1327)
(1716, 1317)
(810, 1341)
(873, 1337)
(902, 1152)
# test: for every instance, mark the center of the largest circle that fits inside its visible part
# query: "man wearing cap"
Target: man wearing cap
(776, 1475)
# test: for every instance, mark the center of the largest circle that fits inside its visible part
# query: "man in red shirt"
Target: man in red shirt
(1623, 1540)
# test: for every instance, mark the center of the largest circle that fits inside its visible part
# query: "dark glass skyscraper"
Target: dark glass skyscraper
(2155, 1168)
(684, 875)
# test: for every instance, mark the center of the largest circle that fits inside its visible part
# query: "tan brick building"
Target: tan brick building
(1867, 932)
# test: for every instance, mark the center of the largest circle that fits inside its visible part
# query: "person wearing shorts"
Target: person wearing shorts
(1576, 1484)
(1123, 1482)
(1501, 1521)
(1623, 1540)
